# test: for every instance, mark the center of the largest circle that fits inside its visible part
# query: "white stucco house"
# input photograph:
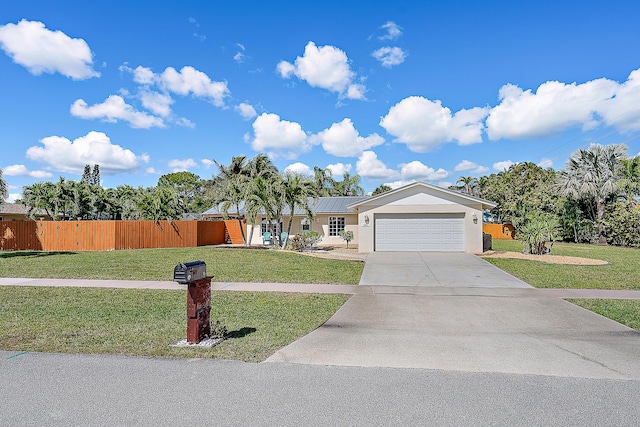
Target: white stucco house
(420, 217)
(415, 217)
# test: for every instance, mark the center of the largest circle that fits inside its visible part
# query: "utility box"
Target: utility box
(194, 275)
(189, 271)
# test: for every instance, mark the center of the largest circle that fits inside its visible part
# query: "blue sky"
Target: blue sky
(393, 91)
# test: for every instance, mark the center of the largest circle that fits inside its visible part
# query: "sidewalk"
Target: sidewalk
(332, 289)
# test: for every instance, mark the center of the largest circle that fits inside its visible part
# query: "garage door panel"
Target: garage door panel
(413, 233)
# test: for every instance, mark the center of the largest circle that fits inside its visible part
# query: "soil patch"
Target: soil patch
(549, 259)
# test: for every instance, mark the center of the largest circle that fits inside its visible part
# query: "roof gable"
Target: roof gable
(422, 193)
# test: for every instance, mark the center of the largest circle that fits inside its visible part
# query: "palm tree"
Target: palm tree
(4, 188)
(296, 191)
(230, 187)
(349, 186)
(38, 198)
(266, 195)
(323, 181)
(630, 173)
(467, 183)
(593, 174)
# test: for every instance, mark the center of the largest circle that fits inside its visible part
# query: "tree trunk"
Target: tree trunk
(602, 232)
(284, 241)
(244, 237)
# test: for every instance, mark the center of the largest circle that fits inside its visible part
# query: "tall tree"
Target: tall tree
(230, 188)
(381, 189)
(188, 186)
(630, 177)
(593, 174)
(349, 186)
(38, 198)
(467, 184)
(296, 191)
(323, 181)
(4, 188)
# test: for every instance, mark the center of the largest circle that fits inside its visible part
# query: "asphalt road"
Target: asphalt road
(64, 390)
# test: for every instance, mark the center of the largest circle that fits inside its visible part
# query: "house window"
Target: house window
(305, 225)
(336, 225)
(264, 227)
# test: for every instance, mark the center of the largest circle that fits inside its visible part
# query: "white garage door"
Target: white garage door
(408, 232)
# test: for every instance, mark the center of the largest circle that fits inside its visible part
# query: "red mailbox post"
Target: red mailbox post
(194, 275)
(198, 310)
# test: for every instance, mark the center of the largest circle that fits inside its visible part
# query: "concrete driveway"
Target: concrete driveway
(458, 312)
(440, 269)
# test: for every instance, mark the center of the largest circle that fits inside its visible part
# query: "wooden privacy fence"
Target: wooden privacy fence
(500, 231)
(108, 235)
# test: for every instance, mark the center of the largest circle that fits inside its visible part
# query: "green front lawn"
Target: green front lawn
(145, 322)
(622, 273)
(626, 312)
(224, 264)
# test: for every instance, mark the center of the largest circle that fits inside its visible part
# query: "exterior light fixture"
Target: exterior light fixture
(475, 218)
(366, 219)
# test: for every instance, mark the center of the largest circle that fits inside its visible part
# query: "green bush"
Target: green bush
(306, 240)
(622, 222)
(536, 231)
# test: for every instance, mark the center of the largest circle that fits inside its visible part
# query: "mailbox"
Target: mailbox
(189, 271)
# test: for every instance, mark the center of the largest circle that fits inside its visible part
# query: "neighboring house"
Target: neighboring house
(416, 217)
(15, 212)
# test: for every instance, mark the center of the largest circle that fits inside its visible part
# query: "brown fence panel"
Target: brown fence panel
(211, 233)
(163, 234)
(19, 235)
(109, 235)
(233, 228)
(500, 231)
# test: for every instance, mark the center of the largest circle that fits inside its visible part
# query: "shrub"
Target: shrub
(347, 236)
(307, 240)
(622, 222)
(535, 231)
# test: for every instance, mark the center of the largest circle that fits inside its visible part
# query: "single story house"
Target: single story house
(16, 212)
(416, 217)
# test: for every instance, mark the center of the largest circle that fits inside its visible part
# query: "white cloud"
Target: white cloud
(393, 31)
(555, 107)
(275, 135)
(467, 165)
(40, 50)
(158, 103)
(419, 171)
(389, 56)
(64, 155)
(13, 197)
(400, 183)
(153, 171)
(299, 168)
(21, 170)
(207, 163)
(504, 165)
(339, 169)
(326, 67)
(369, 166)
(142, 75)
(246, 110)
(343, 140)
(239, 57)
(178, 165)
(114, 108)
(191, 81)
(423, 125)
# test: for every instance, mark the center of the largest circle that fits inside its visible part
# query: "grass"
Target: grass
(225, 264)
(626, 312)
(622, 273)
(145, 322)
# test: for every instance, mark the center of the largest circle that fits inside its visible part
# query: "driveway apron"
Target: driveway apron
(454, 311)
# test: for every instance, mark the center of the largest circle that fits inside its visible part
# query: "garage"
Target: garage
(420, 217)
(419, 232)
